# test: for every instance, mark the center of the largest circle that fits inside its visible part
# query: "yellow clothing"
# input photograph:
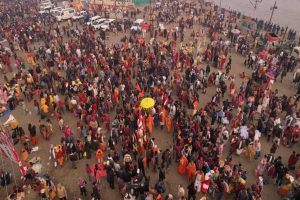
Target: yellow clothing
(51, 99)
(45, 108)
(43, 101)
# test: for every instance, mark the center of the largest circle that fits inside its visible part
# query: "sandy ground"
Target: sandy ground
(69, 177)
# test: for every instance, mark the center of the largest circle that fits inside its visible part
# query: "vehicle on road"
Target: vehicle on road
(79, 15)
(108, 24)
(46, 6)
(93, 19)
(136, 24)
(65, 14)
(97, 24)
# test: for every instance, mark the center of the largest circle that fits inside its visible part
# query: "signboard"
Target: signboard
(272, 71)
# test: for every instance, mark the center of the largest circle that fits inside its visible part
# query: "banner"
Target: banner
(7, 149)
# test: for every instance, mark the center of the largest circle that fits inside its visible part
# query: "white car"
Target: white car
(136, 24)
(93, 19)
(158, 5)
(97, 24)
(46, 6)
(45, 1)
(56, 9)
(44, 11)
(79, 15)
(65, 14)
(106, 25)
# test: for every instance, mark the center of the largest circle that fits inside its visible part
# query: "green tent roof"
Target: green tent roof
(138, 2)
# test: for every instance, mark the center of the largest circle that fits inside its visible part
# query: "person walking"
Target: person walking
(228, 66)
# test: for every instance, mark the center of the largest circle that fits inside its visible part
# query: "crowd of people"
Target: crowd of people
(66, 68)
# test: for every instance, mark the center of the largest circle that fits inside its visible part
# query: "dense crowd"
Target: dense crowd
(69, 68)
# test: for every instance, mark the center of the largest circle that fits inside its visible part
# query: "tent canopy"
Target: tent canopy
(138, 2)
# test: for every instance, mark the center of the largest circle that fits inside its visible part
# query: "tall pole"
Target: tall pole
(150, 12)
(255, 4)
(151, 20)
(273, 9)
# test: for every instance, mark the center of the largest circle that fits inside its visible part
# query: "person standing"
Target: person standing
(162, 174)
(110, 177)
(191, 191)
(96, 193)
(61, 192)
(181, 192)
(88, 171)
(82, 186)
(293, 159)
(228, 66)
(257, 146)
(73, 157)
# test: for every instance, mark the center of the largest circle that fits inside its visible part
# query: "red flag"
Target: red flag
(205, 185)
(140, 121)
(166, 100)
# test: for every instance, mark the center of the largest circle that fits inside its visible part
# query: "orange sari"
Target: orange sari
(149, 123)
(168, 123)
(99, 155)
(116, 95)
(182, 165)
(190, 171)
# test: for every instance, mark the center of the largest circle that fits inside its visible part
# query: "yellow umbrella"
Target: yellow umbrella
(147, 103)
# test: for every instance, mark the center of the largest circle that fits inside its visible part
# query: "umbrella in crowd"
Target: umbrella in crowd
(130, 109)
(147, 103)
(235, 31)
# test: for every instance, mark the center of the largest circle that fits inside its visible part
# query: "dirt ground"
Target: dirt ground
(69, 177)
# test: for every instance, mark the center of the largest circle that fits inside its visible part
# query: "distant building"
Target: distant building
(113, 4)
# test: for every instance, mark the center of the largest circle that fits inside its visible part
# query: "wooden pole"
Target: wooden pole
(273, 9)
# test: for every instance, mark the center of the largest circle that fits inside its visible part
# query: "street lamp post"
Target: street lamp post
(273, 9)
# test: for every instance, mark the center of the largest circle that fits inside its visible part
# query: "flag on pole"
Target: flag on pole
(140, 121)
(205, 186)
(166, 100)
(7, 149)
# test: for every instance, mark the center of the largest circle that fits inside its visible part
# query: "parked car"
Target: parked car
(79, 15)
(46, 6)
(93, 19)
(136, 24)
(65, 14)
(107, 24)
(56, 9)
(45, 1)
(97, 24)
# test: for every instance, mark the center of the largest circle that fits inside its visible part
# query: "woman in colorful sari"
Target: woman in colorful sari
(149, 124)
(191, 170)
(168, 123)
(182, 165)
(232, 88)
(59, 155)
